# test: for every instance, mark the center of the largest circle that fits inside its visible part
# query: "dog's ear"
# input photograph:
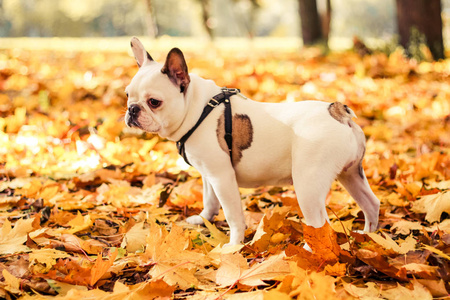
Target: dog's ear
(176, 68)
(142, 56)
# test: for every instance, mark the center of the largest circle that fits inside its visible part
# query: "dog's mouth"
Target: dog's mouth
(132, 122)
(132, 116)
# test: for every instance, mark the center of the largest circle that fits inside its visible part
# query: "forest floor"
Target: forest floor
(92, 209)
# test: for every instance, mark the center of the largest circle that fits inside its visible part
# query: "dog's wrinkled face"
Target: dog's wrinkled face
(156, 94)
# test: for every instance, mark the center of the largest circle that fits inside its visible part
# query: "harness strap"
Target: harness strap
(223, 97)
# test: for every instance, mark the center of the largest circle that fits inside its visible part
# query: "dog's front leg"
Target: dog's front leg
(226, 188)
(211, 205)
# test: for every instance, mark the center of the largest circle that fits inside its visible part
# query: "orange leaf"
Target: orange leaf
(322, 241)
(101, 266)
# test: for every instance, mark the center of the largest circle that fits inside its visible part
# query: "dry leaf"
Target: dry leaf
(419, 292)
(433, 206)
(234, 269)
(12, 239)
(135, 239)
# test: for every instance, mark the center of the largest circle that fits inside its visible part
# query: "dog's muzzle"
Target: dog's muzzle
(133, 115)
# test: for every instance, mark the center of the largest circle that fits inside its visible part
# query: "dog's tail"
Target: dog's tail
(341, 112)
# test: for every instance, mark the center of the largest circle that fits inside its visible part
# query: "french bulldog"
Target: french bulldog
(308, 144)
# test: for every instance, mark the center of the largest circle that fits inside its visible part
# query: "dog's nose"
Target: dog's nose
(134, 110)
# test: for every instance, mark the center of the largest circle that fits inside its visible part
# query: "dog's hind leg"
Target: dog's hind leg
(355, 182)
(211, 205)
(312, 185)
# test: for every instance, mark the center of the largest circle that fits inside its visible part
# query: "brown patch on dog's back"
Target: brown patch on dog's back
(242, 135)
(340, 112)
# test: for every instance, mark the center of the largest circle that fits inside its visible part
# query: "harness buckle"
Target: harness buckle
(213, 102)
(233, 91)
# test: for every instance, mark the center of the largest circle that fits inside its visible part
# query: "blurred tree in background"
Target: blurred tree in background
(312, 19)
(418, 18)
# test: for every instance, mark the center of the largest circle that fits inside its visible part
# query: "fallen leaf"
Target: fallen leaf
(419, 292)
(436, 287)
(322, 241)
(433, 206)
(217, 236)
(234, 269)
(12, 240)
(12, 283)
(370, 291)
(42, 260)
(135, 239)
(404, 227)
(408, 245)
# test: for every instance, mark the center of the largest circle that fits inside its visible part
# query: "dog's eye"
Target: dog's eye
(126, 94)
(153, 103)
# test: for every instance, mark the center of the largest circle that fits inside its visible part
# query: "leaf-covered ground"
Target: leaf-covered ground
(91, 209)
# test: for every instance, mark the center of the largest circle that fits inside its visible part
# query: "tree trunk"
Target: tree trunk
(424, 16)
(325, 18)
(206, 17)
(152, 27)
(310, 22)
(315, 24)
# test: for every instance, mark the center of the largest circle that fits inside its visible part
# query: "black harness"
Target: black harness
(223, 97)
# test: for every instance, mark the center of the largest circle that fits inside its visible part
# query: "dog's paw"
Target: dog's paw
(195, 220)
(230, 245)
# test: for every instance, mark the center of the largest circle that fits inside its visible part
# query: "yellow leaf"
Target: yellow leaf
(415, 268)
(433, 205)
(175, 275)
(436, 287)
(337, 226)
(135, 238)
(389, 243)
(79, 223)
(337, 269)
(234, 269)
(369, 292)
(405, 227)
(217, 236)
(46, 257)
(316, 286)
(101, 266)
(437, 251)
(11, 281)
(62, 288)
(419, 292)
(12, 240)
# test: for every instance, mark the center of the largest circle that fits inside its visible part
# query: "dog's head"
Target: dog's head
(156, 94)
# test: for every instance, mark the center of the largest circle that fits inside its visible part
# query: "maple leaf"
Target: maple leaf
(380, 263)
(12, 283)
(134, 239)
(79, 223)
(421, 270)
(433, 206)
(418, 292)
(77, 274)
(323, 244)
(217, 236)
(46, 258)
(303, 284)
(154, 289)
(369, 291)
(436, 287)
(173, 261)
(404, 227)
(234, 269)
(12, 239)
(390, 244)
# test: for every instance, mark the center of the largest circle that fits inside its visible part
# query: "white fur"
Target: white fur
(297, 143)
